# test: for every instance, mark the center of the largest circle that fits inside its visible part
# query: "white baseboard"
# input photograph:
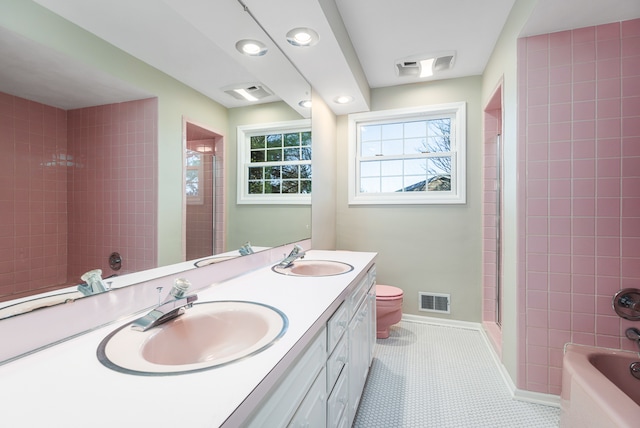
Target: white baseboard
(517, 394)
(551, 400)
(441, 321)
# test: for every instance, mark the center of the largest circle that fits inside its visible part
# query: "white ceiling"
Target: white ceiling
(360, 42)
(32, 71)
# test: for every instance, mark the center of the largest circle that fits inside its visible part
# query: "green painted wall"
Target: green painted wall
(262, 225)
(433, 248)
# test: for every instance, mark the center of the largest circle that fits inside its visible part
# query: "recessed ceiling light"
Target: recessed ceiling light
(305, 103)
(204, 149)
(302, 37)
(343, 99)
(251, 47)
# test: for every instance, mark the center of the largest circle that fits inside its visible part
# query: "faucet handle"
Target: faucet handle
(626, 303)
(633, 334)
(180, 287)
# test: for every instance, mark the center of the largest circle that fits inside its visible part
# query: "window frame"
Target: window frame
(244, 134)
(457, 194)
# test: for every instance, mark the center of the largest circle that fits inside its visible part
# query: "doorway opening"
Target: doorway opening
(203, 220)
(492, 218)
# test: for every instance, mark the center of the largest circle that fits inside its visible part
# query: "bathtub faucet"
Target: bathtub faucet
(173, 306)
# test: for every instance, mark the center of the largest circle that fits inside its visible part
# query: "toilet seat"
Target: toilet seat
(387, 292)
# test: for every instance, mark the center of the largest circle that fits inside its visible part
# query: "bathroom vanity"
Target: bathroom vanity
(313, 375)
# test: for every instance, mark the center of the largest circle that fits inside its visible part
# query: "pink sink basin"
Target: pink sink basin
(207, 335)
(314, 268)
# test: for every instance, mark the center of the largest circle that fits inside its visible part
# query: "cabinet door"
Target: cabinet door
(371, 339)
(358, 358)
(337, 402)
(312, 412)
(283, 402)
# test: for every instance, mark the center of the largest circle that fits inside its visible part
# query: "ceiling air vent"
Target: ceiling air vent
(249, 91)
(424, 65)
(443, 63)
(408, 68)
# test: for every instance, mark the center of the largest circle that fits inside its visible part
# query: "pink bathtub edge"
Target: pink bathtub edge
(588, 398)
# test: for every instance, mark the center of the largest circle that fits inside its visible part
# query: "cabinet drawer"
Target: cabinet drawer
(357, 296)
(337, 403)
(336, 362)
(336, 326)
(372, 275)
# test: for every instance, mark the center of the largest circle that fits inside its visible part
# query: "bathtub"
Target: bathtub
(598, 389)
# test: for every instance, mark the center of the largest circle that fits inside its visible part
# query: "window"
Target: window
(194, 183)
(408, 156)
(274, 163)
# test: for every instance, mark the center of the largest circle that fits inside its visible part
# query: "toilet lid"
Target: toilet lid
(387, 291)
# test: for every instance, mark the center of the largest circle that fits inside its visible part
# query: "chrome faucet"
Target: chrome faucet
(172, 307)
(296, 253)
(93, 283)
(246, 249)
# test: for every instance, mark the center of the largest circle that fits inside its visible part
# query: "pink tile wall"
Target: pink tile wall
(579, 192)
(113, 186)
(33, 198)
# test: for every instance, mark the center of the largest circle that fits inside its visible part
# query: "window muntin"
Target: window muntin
(408, 156)
(275, 163)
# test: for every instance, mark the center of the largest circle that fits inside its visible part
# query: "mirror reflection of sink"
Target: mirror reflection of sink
(213, 260)
(207, 335)
(41, 302)
(314, 268)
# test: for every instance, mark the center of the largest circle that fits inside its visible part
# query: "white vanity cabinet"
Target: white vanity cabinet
(324, 386)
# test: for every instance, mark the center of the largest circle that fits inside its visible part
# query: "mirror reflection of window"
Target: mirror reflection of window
(194, 180)
(280, 163)
(275, 160)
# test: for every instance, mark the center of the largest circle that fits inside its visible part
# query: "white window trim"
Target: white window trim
(458, 193)
(244, 131)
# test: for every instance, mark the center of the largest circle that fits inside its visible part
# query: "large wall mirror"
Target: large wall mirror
(98, 157)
